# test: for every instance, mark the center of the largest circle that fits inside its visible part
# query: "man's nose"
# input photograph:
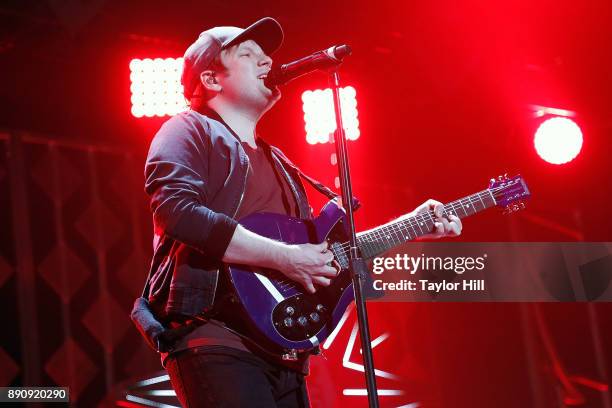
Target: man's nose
(265, 60)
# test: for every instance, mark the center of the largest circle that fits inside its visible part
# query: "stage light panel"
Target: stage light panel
(319, 118)
(156, 87)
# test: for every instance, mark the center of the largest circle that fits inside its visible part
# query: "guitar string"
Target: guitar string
(417, 220)
(398, 232)
(395, 228)
(470, 200)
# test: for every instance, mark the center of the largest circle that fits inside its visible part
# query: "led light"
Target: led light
(558, 140)
(319, 117)
(156, 87)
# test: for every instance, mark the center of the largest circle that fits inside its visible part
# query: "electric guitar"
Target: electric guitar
(288, 317)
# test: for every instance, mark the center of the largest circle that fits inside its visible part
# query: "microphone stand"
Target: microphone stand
(357, 265)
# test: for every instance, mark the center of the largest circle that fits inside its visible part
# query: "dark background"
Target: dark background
(444, 91)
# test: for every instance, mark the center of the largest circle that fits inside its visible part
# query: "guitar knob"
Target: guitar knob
(320, 308)
(302, 321)
(314, 317)
(288, 322)
(289, 311)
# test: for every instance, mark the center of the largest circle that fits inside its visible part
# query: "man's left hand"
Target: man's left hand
(444, 226)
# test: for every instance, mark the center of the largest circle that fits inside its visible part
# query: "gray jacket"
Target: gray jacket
(195, 176)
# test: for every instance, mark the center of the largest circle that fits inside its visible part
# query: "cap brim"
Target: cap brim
(267, 33)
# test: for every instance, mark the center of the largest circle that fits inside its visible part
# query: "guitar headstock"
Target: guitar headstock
(509, 192)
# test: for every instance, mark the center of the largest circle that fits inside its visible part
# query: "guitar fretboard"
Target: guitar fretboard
(379, 240)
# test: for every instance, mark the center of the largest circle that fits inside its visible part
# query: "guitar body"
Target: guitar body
(279, 308)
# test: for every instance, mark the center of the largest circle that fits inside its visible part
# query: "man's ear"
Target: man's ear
(209, 81)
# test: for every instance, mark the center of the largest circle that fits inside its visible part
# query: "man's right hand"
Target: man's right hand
(308, 264)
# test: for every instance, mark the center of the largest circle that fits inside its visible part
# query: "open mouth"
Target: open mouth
(263, 78)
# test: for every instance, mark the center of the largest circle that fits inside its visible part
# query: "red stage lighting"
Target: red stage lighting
(319, 119)
(558, 140)
(156, 87)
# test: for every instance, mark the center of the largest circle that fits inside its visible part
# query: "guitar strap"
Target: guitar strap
(317, 185)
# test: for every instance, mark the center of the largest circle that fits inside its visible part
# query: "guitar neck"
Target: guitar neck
(381, 239)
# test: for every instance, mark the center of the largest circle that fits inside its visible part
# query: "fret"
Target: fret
(367, 247)
(468, 206)
(473, 205)
(412, 226)
(491, 194)
(405, 231)
(429, 224)
(381, 239)
(373, 242)
(419, 225)
(376, 247)
(381, 242)
(396, 231)
(399, 232)
(372, 245)
(387, 234)
(392, 232)
(462, 208)
(423, 222)
(450, 211)
(480, 198)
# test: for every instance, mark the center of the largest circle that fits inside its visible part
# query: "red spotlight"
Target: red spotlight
(156, 87)
(558, 140)
(319, 119)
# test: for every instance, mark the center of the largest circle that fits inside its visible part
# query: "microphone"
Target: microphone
(319, 60)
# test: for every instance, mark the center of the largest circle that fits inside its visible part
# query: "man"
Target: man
(207, 168)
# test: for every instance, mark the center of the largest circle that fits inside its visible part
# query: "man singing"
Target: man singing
(206, 169)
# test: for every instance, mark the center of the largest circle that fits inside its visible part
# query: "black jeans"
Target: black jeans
(218, 376)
